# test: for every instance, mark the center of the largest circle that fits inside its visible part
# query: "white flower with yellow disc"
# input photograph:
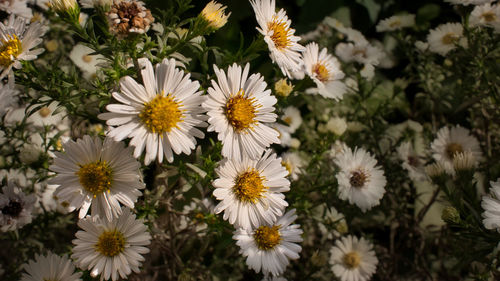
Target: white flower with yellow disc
(160, 115)
(16, 42)
(112, 249)
(97, 175)
(239, 107)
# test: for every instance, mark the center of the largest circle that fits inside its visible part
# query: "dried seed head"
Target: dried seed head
(129, 16)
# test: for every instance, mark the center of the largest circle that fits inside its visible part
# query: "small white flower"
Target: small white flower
(293, 163)
(160, 116)
(99, 175)
(46, 116)
(413, 162)
(8, 97)
(449, 142)
(280, 38)
(468, 2)
(363, 53)
(446, 37)
(291, 116)
(15, 207)
(486, 15)
(491, 206)
(268, 247)
(250, 191)
(360, 181)
(285, 137)
(324, 70)
(111, 248)
(17, 40)
(96, 3)
(353, 259)
(336, 125)
(238, 107)
(17, 7)
(80, 55)
(50, 267)
(396, 22)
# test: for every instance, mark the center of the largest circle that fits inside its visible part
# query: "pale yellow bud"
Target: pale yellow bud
(283, 88)
(51, 45)
(213, 13)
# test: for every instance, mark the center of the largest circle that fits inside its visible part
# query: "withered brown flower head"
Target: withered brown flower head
(127, 16)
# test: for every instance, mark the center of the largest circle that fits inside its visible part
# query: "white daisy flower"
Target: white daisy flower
(491, 206)
(161, 115)
(111, 248)
(396, 22)
(486, 15)
(469, 2)
(96, 3)
(194, 214)
(284, 135)
(413, 162)
(446, 37)
(291, 116)
(50, 267)
(324, 70)
(331, 223)
(94, 174)
(47, 116)
(15, 207)
(363, 53)
(238, 106)
(293, 163)
(280, 38)
(250, 191)
(8, 97)
(353, 259)
(17, 40)
(269, 246)
(80, 55)
(17, 7)
(449, 142)
(359, 179)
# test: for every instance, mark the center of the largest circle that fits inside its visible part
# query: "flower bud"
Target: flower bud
(450, 215)
(213, 15)
(283, 88)
(66, 9)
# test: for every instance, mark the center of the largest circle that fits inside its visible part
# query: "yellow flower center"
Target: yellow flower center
(10, 50)
(44, 111)
(288, 166)
(359, 51)
(95, 177)
(280, 34)
(110, 243)
(240, 111)
(321, 72)
(450, 38)
(358, 178)
(249, 186)
(161, 114)
(453, 148)
(395, 23)
(87, 58)
(267, 237)
(489, 16)
(351, 260)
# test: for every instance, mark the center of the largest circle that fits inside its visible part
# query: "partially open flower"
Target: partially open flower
(214, 15)
(129, 16)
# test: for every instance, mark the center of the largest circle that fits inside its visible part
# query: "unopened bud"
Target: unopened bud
(450, 215)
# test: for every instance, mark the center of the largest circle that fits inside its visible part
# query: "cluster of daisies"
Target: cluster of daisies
(167, 113)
